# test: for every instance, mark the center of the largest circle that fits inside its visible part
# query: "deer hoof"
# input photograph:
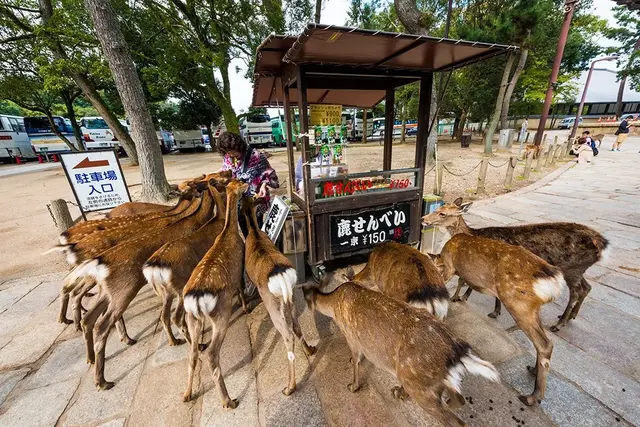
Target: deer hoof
(532, 370)
(186, 397)
(65, 321)
(176, 342)
(353, 388)
(456, 299)
(399, 393)
(105, 385)
(494, 314)
(287, 391)
(310, 350)
(231, 404)
(529, 400)
(555, 328)
(128, 341)
(202, 347)
(90, 361)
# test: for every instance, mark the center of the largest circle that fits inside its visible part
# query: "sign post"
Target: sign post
(96, 179)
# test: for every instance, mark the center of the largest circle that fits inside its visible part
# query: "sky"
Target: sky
(334, 12)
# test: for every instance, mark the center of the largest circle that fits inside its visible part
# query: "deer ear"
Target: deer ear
(458, 201)
(465, 207)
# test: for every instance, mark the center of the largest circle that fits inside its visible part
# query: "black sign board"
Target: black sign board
(353, 232)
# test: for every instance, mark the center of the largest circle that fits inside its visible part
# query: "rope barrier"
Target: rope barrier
(499, 166)
(463, 174)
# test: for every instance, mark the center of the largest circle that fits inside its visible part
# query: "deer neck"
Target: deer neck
(231, 218)
(191, 209)
(460, 227)
(206, 208)
(219, 203)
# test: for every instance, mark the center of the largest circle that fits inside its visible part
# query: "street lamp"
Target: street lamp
(584, 93)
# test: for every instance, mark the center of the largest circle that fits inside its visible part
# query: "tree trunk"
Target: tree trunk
(364, 125)
(57, 133)
(403, 129)
(432, 139)
(623, 83)
(89, 91)
(491, 129)
(318, 11)
(461, 124)
(504, 121)
(154, 182)
(68, 102)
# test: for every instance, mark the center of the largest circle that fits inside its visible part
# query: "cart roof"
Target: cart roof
(353, 67)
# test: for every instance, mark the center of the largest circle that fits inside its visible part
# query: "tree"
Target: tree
(318, 11)
(154, 182)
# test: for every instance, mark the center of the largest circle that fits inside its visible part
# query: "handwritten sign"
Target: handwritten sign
(325, 114)
(96, 179)
(275, 218)
(353, 232)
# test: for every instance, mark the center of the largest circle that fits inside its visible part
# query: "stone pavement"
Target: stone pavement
(595, 370)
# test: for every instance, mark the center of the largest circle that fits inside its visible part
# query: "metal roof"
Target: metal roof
(375, 56)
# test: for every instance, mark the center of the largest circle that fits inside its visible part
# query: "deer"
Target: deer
(426, 358)
(118, 272)
(275, 277)
(170, 267)
(569, 246)
(523, 281)
(405, 274)
(209, 293)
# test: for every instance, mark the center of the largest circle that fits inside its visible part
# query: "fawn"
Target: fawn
(406, 274)
(571, 247)
(209, 293)
(520, 279)
(408, 342)
(170, 267)
(275, 277)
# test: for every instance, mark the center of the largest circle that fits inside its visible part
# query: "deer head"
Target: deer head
(237, 187)
(447, 216)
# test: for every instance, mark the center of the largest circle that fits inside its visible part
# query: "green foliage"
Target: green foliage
(11, 108)
(627, 33)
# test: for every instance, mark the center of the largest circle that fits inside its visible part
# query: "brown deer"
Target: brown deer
(118, 272)
(569, 246)
(520, 279)
(405, 274)
(408, 342)
(170, 267)
(209, 293)
(275, 277)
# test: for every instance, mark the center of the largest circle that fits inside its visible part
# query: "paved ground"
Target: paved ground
(595, 370)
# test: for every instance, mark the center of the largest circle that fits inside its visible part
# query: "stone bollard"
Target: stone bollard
(527, 167)
(510, 168)
(541, 155)
(482, 176)
(557, 153)
(60, 214)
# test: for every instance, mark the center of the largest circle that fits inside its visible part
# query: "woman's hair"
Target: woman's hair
(582, 140)
(231, 142)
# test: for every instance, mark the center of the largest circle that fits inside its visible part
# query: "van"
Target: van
(567, 123)
(14, 140)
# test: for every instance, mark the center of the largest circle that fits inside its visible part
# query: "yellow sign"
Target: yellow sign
(325, 114)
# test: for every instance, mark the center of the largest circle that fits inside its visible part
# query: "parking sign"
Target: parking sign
(96, 179)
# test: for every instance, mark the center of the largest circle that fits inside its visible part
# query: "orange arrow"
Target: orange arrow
(86, 163)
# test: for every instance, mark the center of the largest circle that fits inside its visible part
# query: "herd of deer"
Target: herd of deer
(391, 312)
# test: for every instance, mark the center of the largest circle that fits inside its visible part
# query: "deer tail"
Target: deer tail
(282, 280)
(466, 362)
(200, 301)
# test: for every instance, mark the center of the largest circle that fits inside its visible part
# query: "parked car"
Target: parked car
(629, 117)
(567, 123)
(412, 131)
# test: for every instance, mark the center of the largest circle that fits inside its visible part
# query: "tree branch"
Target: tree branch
(23, 9)
(18, 38)
(13, 18)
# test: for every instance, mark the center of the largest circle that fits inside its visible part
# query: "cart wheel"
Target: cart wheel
(318, 272)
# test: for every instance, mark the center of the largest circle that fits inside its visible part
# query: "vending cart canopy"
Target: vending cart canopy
(375, 61)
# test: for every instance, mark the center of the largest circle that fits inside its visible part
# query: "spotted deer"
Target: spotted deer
(118, 272)
(209, 293)
(426, 358)
(406, 274)
(569, 246)
(275, 277)
(170, 267)
(520, 279)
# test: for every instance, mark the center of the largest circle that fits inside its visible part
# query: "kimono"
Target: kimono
(254, 169)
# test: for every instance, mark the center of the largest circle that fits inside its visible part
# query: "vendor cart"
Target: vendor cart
(325, 69)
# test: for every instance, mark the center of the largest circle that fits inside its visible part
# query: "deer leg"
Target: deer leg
(88, 323)
(102, 329)
(64, 303)
(242, 300)
(429, 399)
(574, 295)
(356, 358)
(218, 331)
(195, 330)
(584, 291)
(122, 331)
(456, 295)
(179, 318)
(309, 350)
(78, 293)
(165, 315)
(496, 309)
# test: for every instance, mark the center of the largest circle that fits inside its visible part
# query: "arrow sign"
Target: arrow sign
(86, 163)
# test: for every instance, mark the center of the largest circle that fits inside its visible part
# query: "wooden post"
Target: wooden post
(437, 183)
(556, 154)
(61, 216)
(552, 152)
(568, 149)
(424, 115)
(388, 129)
(482, 176)
(289, 136)
(510, 168)
(541, 155)
(527, 167)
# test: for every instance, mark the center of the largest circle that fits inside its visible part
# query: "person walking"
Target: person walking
(622, 133)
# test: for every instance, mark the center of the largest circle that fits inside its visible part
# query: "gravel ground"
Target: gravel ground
(27, 230)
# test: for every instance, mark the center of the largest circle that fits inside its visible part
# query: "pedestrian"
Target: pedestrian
(584, 151)
(592, 142)
(250, 166)
(523, 130)
(622, 133)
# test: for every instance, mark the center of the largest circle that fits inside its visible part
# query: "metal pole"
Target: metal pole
(584, 94)
(569, 7)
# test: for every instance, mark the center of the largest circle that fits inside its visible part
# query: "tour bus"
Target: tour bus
(354, 126)
(96, 133)
(256, 129)
(278, 132)
(14, 141)
(43, 140)
(378, 123)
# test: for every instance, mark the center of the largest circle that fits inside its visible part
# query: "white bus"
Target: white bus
(354, 126)
(42, 137)
(256, 130)
(96, 133)
(14, 141)
(189, 140)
